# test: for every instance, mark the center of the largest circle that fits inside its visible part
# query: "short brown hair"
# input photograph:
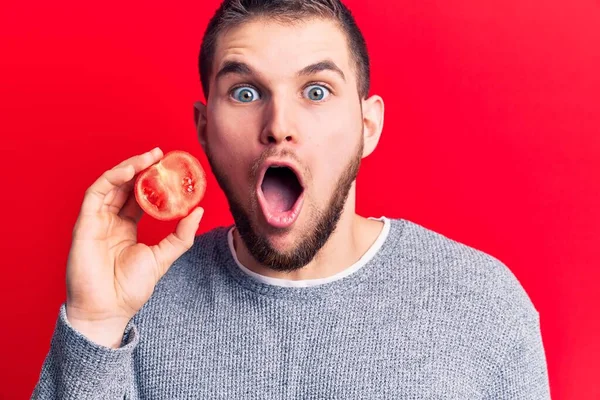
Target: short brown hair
(234, 12)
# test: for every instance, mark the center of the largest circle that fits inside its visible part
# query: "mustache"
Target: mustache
(275, 153)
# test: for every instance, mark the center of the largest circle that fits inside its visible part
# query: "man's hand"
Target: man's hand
(109, 275)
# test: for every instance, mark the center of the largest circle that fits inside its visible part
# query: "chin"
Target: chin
(281, 249)
(284, 240)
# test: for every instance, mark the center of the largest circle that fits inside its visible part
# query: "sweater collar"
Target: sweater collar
(341, 283)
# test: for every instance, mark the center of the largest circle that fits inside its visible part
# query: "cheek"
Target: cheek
(332, 144)
(331, 127)
(225, 128)
(229, 136)
(231, 133)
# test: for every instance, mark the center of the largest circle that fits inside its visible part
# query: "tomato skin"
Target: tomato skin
(171, 188)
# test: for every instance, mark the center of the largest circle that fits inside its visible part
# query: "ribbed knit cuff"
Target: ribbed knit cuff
(82, 369)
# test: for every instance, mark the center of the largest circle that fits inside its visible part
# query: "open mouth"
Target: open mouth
(281, 188)
(280, 195)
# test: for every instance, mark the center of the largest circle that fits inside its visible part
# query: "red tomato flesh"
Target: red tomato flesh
(171, 188)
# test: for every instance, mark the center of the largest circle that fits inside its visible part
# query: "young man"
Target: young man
(302, 298)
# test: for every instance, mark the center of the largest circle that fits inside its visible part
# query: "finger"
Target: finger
(175, 244)
(116, 198)
(131, 210)
(95, 195)
(143, 161)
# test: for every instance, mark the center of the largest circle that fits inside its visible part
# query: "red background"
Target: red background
(492, 137)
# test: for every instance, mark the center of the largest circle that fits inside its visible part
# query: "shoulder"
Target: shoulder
(465, 299)
(458, 272)
(463, 294)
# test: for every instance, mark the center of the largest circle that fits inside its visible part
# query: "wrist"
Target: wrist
(107, 332)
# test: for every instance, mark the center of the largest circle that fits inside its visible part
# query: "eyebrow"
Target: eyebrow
(240, 68)
(325, 65)
(234, 67)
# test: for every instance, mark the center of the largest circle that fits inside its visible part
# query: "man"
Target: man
(302, 298)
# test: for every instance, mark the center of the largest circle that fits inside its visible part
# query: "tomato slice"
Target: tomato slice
(171, 188)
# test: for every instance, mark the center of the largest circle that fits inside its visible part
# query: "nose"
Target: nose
(279, 125)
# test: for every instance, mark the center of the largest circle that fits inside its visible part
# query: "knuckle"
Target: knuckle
(76, 228)
(88, 194)
(80, 226)
(169, 244)
(137, 159)
(181, 243)
(188, 244)
(175, 241)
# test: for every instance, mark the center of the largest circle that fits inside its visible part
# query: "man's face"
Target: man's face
(284, 139)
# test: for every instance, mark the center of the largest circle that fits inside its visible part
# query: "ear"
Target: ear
(200, 122)
(373, 109)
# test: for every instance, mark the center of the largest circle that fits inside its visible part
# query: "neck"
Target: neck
(350, 240)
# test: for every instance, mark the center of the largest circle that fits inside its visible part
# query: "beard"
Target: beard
(312, 241)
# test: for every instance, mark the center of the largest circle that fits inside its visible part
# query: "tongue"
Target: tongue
(279, 192)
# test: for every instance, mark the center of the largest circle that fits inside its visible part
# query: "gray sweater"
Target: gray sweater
(425, 317)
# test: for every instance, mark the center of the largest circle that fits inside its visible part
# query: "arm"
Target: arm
(110, 276)
(77, 368)
(522, 374)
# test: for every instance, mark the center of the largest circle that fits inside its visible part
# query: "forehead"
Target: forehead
(276, 49)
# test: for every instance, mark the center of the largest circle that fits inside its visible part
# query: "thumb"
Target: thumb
(176, 243)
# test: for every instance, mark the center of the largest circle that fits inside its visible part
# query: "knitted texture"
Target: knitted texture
(426, 318)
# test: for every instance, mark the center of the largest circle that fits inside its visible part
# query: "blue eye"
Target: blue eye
(316, 92)
(245, 94)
